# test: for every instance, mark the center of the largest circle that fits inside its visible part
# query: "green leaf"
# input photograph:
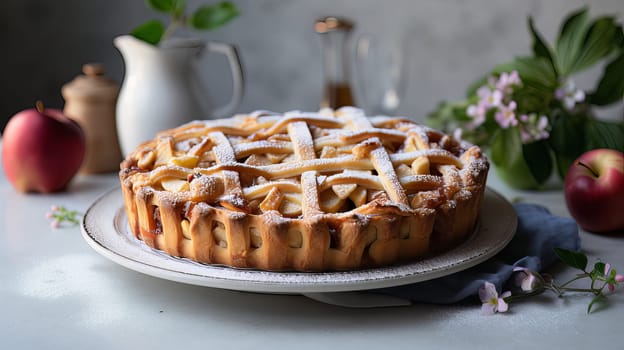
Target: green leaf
(610, 87)
(173, 7)
(150, 31)
(540, 49)
(570, 40)
(600, 298)
(506, 147)
(619, 37)
(598, 270)
(533, 98)
(599, 42)
(567, 140)
(213, 16)
(534, 71)
(603, 134)
(537, 157)
(508, 157)
(571, 258)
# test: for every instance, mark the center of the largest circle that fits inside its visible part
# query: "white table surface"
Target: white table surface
(57, 293)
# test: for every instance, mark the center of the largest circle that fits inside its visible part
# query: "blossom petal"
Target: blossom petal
(502, 305)
(471, 111)
(488, 309)
(568, 102)
(495, 98)
(528, 284)
(484, 92)
(487, 292)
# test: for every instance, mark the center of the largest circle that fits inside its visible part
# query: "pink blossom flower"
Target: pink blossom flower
(483, 92)
(492, 303)
(611, 286)
(477, 112)
(55, 224)
(534, 128)
(506, 116)
(489, 98)
(542, 123)
(619, 278)
(526, 279)
(569, 95)
(525, 136)
(507, 80)
(60, 214)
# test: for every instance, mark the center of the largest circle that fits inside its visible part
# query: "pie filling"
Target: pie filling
(332, 190)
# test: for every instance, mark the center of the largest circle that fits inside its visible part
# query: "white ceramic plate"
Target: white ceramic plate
(105, 228)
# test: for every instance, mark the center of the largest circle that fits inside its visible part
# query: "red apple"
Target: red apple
(594, 190)
(42, 150)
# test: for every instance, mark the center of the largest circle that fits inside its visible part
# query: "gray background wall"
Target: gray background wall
(44, 43)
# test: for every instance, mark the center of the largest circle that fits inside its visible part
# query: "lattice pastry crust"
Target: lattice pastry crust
(332, 190)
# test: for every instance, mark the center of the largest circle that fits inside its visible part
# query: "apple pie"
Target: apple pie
(324, 191)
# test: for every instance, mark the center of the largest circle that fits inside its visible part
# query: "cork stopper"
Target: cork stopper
(93, 69)
(92, 85)
(329, 24)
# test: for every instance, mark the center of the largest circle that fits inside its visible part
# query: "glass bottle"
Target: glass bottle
(335, 33)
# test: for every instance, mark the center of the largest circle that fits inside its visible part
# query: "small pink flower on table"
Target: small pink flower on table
(525, 279)
(492, 303)
(616, 279)
(59, 214)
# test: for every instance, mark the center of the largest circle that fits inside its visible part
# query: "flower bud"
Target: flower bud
(527, 280)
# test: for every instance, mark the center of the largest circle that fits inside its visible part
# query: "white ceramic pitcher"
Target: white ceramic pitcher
(161, 88)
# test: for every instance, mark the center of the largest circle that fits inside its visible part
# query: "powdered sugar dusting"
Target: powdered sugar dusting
(222, 150)
(386, 172)
(310, 193)
(304, 145)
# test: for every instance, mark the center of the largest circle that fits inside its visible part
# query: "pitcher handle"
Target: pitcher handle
(238, 78)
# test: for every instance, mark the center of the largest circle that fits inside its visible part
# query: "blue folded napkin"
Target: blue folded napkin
(532, 247)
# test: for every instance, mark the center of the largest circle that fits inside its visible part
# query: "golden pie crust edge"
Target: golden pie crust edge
(323, 242)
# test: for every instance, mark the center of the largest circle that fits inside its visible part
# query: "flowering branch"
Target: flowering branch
(529, 114)
(59, 214)
(527, 283)
(496, 102)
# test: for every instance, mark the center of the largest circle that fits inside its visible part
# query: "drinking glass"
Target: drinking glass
(380, 65)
